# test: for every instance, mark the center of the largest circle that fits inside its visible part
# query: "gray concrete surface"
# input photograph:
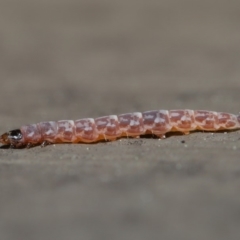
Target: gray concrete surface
(73, 59)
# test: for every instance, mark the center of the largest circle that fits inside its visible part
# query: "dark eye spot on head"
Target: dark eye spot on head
(15, 134)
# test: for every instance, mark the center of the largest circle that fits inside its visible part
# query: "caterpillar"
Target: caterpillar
(112, 127)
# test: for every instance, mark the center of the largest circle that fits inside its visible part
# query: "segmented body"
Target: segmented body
(112, 127)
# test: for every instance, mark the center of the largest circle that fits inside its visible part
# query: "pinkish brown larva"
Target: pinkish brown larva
(89, 130)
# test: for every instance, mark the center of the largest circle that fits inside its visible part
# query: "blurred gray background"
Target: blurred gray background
(73, 59)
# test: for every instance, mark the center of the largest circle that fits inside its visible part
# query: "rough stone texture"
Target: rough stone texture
(69, 59)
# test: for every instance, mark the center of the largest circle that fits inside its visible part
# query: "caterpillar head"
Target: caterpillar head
(11, 138)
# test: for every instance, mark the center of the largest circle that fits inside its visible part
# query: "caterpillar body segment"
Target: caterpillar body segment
(112, 127)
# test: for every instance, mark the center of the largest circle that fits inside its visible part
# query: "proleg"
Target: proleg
(113, 127)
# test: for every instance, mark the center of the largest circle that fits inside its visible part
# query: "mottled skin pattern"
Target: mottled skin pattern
(89, 130)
